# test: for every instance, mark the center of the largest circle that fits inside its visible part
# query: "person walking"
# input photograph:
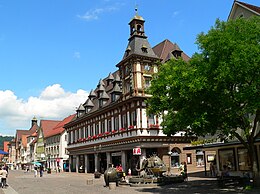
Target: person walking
(41, 171)
(3, 174)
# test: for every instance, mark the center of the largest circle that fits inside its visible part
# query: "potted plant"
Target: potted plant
(97, 174)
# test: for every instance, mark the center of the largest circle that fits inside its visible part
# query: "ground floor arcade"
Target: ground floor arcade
(130, 154)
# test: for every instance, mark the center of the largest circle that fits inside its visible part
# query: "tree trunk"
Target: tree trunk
(254, 167)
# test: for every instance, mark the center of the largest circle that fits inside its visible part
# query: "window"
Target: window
(116, 123)
(127, 86)
(226, 157)
(133, 118)
(82, 132)
(97, 129)
(100, 101)
(151, 120)
(147, 82)
(189, 159)
(91, 131)
(109, 126)
(139, 27)
(124, 121)
(86, 132)
(199, 158)
(175, 157)
(103, 127)
(147, 67)
(243, 159)
(144, 50)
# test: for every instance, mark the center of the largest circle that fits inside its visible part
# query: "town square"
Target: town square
(160, 120)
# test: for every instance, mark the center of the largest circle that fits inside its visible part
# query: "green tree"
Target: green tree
(217, 91)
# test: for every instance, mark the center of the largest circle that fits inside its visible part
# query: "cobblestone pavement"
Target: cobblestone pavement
(70, 183)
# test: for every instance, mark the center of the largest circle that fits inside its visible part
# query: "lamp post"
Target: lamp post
(169, 169)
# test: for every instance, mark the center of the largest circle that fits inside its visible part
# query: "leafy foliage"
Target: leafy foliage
(217, 91)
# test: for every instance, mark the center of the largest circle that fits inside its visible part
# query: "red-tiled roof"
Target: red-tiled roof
(33, 128)
(24, 140)
(165, 48)
(19, 134)
(47, 125)
(249, 6)
(59, 128)
(34, 134)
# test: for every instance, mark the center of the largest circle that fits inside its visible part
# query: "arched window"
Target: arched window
(139, 28)
(175, 157)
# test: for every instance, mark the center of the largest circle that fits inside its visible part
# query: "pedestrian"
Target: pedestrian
(129, 172)
(35, 171)
(3, 174)
(41, 171)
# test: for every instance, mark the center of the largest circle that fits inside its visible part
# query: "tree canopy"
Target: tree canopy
(217, 91)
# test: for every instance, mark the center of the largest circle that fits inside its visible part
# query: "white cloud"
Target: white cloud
(94, 14)
(53, 103)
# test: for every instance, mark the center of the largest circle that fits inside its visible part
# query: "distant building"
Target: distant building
(245, 10)
(21, 144)
(42, 131)
(56, 144)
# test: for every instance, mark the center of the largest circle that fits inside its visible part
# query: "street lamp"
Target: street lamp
(169, 169)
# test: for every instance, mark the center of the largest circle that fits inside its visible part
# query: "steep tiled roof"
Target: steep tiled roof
(249, 6)
(59, 128)
(165, 49)
(135, 47)
(34, 134)
(24, 140)
(19, 134)
(33, 128)
(47, 126)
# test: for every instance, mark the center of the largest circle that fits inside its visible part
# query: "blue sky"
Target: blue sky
(53, 52)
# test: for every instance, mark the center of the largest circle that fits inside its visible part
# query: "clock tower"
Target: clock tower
(139, 61)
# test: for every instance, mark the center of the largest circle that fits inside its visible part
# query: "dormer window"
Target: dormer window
(177, 53)
(128, 50)
(144, 49)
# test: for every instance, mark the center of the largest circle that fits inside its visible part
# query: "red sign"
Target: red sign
(137, 151)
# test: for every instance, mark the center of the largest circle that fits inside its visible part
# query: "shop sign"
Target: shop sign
(137, 151)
